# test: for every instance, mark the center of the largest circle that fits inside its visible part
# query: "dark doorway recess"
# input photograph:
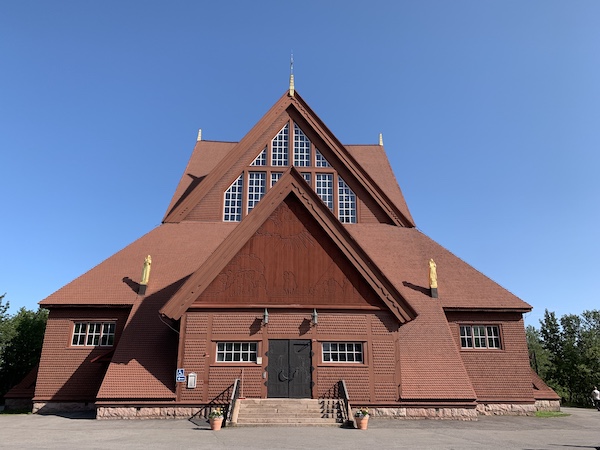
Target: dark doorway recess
(289, 369)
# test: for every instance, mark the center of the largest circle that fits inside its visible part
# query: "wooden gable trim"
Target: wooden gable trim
(258, 134)
(181, 210)
(291, 182)
(348, 160)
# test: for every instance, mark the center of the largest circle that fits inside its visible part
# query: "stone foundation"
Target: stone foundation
(506, 409)
(62, 407)
(425, 413)
(547, 405)
(133, 412)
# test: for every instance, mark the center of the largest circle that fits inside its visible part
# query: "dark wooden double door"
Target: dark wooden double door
(290, 369)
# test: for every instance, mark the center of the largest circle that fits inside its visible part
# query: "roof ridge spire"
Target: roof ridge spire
(292, 90)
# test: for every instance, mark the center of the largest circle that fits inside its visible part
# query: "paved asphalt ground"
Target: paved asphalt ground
(580, 430)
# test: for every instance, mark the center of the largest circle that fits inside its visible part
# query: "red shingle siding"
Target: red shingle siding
(379, 368)
(497, 375)
(66, 373)
(357, 381)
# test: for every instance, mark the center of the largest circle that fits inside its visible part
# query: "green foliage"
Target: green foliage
(547, 414)
(539, 357)
(567, 352)
(21, 338)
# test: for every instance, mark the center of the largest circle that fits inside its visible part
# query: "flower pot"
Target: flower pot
(216, 423)
(362, 422)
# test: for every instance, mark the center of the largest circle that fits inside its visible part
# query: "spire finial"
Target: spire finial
(381, 139)
(199, 135)
(292, 90)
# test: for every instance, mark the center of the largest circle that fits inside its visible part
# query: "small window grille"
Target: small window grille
(479, 336)
(301, 148)
(93, 334)
(343, 352)
(324, 188)
(236, 352)
(261, 159)
(320, 160)
(275, 176)
(257, 185)
(233, 201)
(279, 148)
(346, 203)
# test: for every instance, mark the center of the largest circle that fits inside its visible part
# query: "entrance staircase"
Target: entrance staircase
(287, 412)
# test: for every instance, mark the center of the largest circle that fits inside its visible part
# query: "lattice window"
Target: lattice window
(343, 352)
(307, 177)
(261, 159)
(346, 202)
(233, 201)
(108, 334)
(93, 334)
(236, 351)
(79, 333)
(320, 160)
(275, 176)
(301, 148)
(324, 188)
(257, 186)
(279, 148)
(479, 336)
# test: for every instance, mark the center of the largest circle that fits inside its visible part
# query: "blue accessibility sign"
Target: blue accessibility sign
(180, 377)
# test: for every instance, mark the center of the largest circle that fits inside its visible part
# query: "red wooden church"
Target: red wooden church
(287, 266)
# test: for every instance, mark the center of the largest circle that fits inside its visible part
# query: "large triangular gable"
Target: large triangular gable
(254, 142)
(291, 183)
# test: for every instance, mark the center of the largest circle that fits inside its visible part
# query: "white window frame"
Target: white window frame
(346, 202)
(236, 352)
(480, 336)
(301, 148)
(232, 209)
(342, 352)
(275, 177)
(279, 148)
(320, 160)
(261, 159)
(93, 334)
(257, 187)
(324, 188)
(307, 177)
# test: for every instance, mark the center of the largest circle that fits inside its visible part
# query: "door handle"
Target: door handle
(282, 377)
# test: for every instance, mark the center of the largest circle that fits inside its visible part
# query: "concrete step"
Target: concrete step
(288, 412)
(285, 420)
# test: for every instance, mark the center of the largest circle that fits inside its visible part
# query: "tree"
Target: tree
(5, 328)
(21, 338)
(539, 357)
(572, 348)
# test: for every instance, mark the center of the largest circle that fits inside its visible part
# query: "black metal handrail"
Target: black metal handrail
(347, 409)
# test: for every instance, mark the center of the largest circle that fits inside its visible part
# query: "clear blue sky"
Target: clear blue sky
(490, 112)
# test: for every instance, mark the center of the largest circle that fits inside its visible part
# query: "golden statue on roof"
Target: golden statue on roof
(432, 274)
(146, 271)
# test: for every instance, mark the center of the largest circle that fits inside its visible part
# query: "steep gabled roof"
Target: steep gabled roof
(258, 137)
(403, 255)
(176, 249)
(291, 183)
